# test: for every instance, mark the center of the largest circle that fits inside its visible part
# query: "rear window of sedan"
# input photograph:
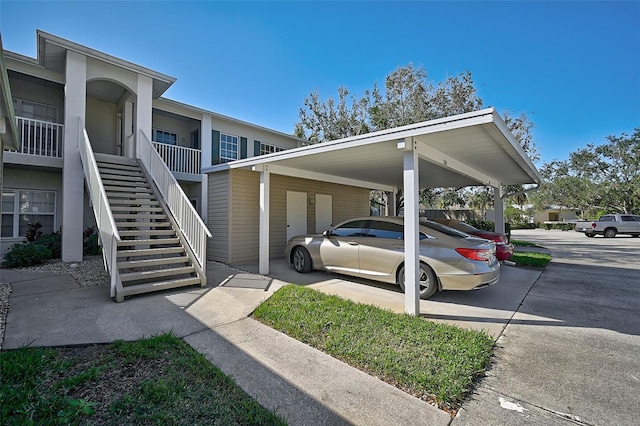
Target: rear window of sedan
(444, 229)
(394, 231)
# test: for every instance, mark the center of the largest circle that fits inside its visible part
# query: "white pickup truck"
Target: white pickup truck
(611, 225)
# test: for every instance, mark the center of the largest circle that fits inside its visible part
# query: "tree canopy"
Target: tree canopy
(408, 97)
(597, 178)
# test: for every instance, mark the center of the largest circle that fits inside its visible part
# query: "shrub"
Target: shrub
(33, 232)
(53, 242)
(90, 241)
(29, 254)
(485, 225)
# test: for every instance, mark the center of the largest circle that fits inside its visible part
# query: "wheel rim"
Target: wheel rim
(424, 281)
(298, 260)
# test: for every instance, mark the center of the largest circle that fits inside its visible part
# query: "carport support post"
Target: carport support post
(265, 179)
(498, 208)
(411, 240)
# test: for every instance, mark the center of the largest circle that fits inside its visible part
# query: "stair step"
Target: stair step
(152, 262)
(149, 252)
(136, 209)
(144, 275)
(139, 216)
(114, 193)
(149, 242)
(124, 183)
(139, 192)
(140, 232)
(120, 168)
(161, 285)
(137, 224)
(146, 202)
(128, 178)
(114, 159)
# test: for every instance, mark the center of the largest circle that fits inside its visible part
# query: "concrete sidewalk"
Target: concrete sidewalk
(305, 386)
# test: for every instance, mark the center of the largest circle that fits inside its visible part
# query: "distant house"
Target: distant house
(557, 214)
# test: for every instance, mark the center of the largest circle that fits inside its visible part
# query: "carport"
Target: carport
(472, 149)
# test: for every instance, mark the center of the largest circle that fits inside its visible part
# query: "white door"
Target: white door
(296, 213)
(324, 212)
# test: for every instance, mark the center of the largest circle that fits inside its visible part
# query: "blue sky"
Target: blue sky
(573, 67)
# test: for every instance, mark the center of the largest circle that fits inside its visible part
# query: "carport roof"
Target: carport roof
(470, 149)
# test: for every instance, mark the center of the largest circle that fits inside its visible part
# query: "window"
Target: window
(161, 136)
(35, 110)
(266, 148)
(350, 229)
(228, 148)
(20, 208)
(385, 230)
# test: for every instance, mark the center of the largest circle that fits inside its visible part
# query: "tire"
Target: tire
(590, 235)
(610, 233)
(428, 281)
(301, 260)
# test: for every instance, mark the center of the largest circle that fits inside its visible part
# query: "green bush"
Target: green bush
(53, 242)
(90, 241)
(29, 254)
(485, 225)
(91, 245)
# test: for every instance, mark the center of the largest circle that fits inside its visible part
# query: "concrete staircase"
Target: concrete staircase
(152, 254)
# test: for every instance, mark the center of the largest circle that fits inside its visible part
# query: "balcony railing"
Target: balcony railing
(179, 159)
(40, 137)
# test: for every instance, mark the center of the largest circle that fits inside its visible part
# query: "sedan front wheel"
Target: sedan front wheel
(301, 260)
(428, 281)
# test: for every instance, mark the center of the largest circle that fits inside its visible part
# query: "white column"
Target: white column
(498, 208)
(391, 203)
(411, 240)
(75, 101)
(129, 131)
(205, 161)
(265, 179)
(144, 106)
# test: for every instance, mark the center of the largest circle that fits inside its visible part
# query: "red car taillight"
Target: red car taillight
(475, 254)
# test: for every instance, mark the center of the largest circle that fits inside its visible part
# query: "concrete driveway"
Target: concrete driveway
(570, 354)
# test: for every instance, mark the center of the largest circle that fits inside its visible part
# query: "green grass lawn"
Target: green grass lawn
(539, 260)
(432, 361)
(160, 380)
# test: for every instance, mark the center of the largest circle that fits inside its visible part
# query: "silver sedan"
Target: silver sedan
(373, 248)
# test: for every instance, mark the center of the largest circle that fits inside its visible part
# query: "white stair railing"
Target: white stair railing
(193, 228)
(107, 228)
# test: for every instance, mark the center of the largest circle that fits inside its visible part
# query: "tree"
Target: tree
(604, 177)
(408, 97)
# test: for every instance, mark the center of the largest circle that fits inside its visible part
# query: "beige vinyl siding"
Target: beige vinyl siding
(218, 217)
(244, 210)
(245, 215)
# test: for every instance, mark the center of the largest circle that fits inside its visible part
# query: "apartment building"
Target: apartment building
(81, 113)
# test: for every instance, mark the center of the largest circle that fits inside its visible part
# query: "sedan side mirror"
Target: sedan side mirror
(327, 233)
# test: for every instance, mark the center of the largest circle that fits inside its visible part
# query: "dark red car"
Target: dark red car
(504, 249)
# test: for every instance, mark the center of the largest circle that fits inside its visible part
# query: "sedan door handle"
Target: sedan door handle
(352, 243)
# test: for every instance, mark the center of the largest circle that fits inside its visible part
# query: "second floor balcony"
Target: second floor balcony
(182, 161)
(41, 143)
(40, 138)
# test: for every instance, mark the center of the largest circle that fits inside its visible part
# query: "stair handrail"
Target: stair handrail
(193, 227)
(107, 229)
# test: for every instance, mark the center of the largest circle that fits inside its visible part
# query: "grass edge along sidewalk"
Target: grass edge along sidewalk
(435, 362)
